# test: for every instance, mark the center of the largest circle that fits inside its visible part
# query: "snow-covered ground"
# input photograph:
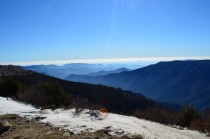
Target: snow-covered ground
(90, 121)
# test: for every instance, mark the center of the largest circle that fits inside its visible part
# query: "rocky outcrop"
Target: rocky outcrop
(4, 126)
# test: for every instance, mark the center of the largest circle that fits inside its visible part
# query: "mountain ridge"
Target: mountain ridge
(62, 71)
(182, 82)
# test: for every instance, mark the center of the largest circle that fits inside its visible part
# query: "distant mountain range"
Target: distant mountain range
(104, 72)
(80, 69)
(182, 82)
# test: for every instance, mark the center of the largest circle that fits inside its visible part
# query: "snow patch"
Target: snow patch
(8, 106)
(91, 121)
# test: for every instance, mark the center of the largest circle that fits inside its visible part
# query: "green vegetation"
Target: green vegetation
(159, 115)
(187, 116)
(9, 87)
(43, 94)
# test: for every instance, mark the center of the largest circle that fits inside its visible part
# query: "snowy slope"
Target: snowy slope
(7, 106)
(90, 121)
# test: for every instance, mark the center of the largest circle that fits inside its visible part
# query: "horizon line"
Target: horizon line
(104, 61)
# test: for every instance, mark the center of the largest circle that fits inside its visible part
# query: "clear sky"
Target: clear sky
(48, 30)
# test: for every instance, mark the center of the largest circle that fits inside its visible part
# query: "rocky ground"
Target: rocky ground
(15, 127)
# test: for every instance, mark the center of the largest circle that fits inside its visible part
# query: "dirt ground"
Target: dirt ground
(22, 128)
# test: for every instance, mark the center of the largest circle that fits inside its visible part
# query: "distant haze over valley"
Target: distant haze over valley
(65, 70)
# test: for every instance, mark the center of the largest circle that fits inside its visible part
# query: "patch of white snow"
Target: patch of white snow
(91, 121)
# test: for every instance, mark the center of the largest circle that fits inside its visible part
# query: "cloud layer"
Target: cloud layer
(111, 60)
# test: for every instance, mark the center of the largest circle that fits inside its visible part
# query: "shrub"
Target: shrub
(157, 114)
(206, 124)
(46, 95)
(187, 116)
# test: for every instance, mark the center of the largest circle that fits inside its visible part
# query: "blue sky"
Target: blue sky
(49, 30)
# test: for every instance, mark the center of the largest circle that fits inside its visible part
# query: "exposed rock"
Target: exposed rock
(49, 132)
(39, 118)
(66, 134)
(4, 127)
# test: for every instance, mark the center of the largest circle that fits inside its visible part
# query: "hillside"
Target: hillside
(104, 72)
(90, 124)
(182, 82)
(49, 92)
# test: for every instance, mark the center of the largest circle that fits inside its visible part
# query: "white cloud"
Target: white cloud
(111, 60)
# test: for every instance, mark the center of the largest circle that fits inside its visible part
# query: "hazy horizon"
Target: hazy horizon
(115, 61)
